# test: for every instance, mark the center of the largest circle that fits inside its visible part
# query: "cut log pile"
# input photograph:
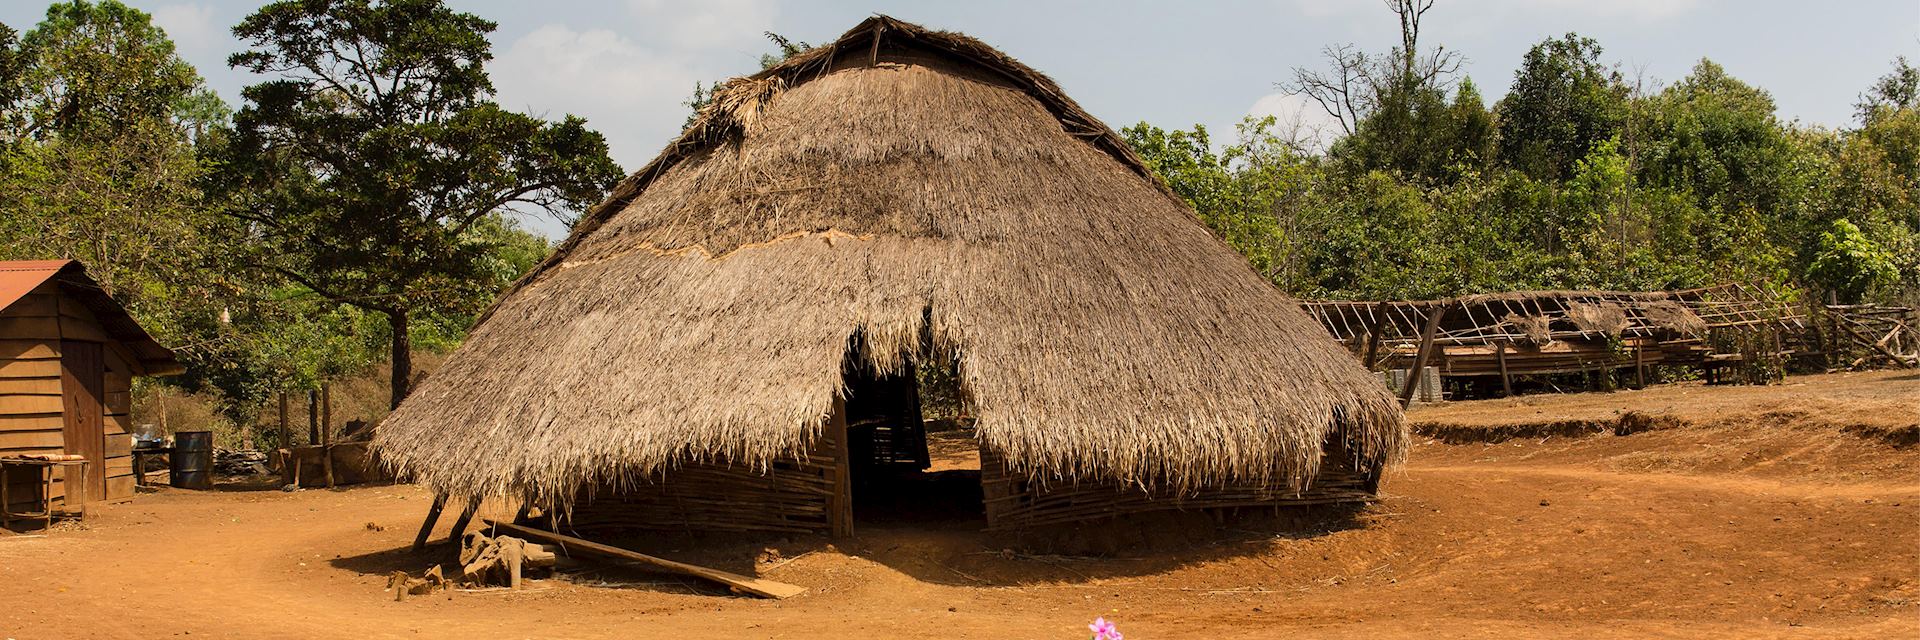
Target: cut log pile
(500, 560)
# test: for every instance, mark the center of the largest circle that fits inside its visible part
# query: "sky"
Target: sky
(628, 65)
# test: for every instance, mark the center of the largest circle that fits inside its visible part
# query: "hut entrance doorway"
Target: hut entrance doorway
(894, 475)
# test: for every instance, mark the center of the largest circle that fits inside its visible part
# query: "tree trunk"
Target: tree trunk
(402, 356)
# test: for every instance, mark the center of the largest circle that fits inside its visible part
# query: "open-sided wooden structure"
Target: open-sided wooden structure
(68, 355)
(1500, 336)
(728, 342)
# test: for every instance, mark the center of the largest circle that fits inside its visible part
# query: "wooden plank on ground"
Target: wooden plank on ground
(569, 544)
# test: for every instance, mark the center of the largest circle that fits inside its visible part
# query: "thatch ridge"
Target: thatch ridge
(897, 187)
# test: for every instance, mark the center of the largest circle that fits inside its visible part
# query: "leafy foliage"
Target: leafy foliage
(1849, 264)
(365, 169)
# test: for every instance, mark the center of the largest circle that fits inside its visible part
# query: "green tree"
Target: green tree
(1562, 103)
(100, 168)
(1898, 90)
(367, 168)
(1850, 265)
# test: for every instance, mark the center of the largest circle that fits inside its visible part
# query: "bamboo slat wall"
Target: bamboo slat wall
(791, 498)
(1014, 501)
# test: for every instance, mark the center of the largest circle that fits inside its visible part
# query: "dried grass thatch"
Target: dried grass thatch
(1675, 316)
(1599, 317)
(1537, 329)
(899, 182)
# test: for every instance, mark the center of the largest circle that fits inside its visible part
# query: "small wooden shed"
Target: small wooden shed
(68, 355)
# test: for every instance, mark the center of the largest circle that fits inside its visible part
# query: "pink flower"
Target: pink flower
(1103, 630)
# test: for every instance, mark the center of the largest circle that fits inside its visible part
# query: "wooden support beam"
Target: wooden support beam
(1506, 381)
(1640, 365)
(840, 504)
(433, 516)
(1373, 338)
(466, 516)
(569, 545)
(1426, 351)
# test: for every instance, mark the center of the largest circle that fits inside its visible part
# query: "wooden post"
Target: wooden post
(1506, 381)
(286, 433)
(466, 516)
(326, 431)
(1640, 365)
(1373, 336)
(313, 416)
(1426, 351)
(433, 516)
(840, 504)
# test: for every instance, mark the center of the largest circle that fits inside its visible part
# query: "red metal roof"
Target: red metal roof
(17, 277)
(20, 277)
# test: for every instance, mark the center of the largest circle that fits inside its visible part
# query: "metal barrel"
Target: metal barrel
(192, 460)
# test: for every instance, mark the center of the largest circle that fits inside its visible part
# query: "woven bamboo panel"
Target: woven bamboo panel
(1014, 501)
(791, 497)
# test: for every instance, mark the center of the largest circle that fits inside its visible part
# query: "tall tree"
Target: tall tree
(98, 166)
(364, 169)
(1899, 89)
(1563, 102)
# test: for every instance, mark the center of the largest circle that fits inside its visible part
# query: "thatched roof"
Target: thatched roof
(895, 184)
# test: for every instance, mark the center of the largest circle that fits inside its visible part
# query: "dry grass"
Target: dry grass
(925, 194)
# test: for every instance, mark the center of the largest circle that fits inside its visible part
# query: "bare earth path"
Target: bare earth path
(1797, 529)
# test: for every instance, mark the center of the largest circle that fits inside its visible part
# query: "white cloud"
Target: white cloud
(1298, 117)
(189, 25)
(628, 92)
(1636, 10)
(706, 24)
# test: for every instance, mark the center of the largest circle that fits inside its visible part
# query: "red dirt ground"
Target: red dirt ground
(1754, 512)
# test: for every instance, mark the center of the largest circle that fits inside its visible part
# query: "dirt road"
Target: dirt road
(1538, 537)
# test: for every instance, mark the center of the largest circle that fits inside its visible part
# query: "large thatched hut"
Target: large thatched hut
(691, 354)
